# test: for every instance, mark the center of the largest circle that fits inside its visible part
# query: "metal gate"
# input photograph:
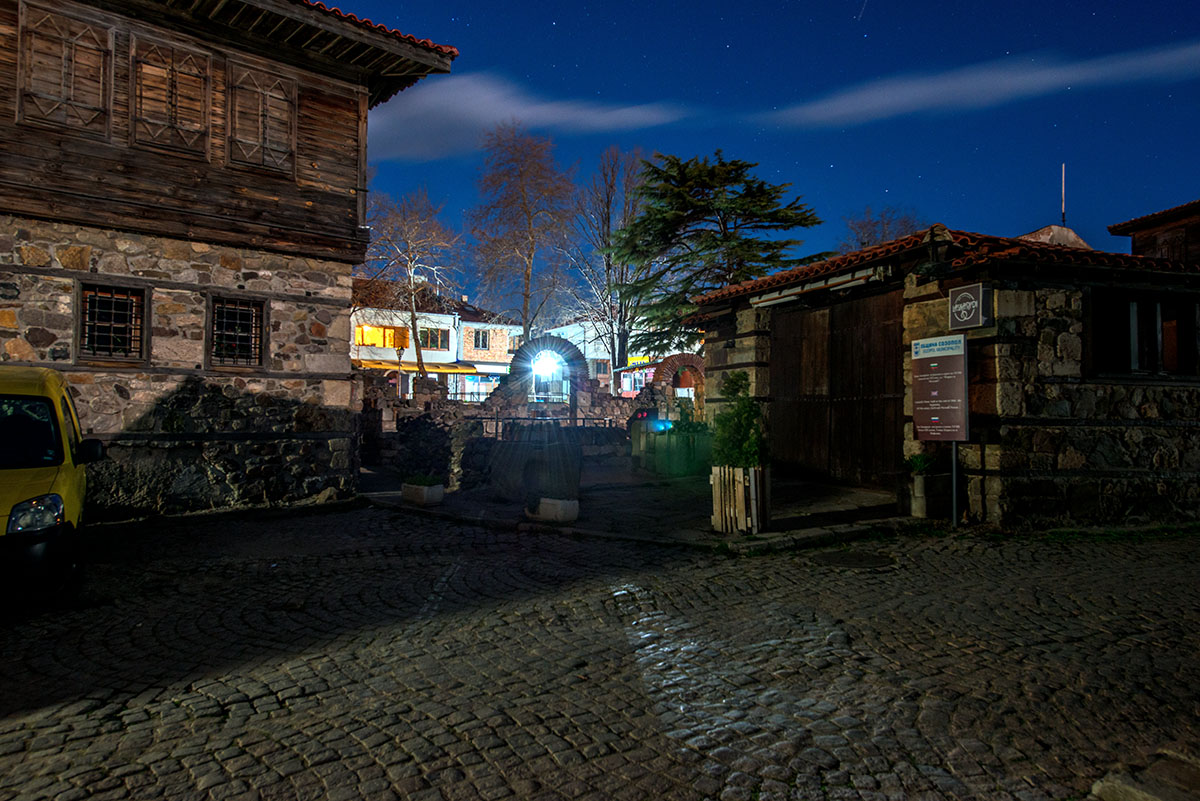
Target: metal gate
(837, 390)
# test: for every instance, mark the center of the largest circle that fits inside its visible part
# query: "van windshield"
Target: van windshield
(28, 433)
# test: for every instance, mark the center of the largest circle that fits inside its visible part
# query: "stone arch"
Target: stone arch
(680, 362)
(687, 365)
(521, 368)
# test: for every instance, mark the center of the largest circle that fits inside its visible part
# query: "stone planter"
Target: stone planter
(554, 510)
(741, 499)
(929, 495)
(423, 495)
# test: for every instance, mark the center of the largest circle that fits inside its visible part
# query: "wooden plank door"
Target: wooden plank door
(799, 416)
(866, 390)
(837, 392)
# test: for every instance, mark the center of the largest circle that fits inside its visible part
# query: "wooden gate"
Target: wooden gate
(837, 390)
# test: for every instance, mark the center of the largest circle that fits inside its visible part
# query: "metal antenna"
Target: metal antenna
(1064, 194)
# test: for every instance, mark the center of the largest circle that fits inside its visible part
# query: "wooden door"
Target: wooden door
(837, 392)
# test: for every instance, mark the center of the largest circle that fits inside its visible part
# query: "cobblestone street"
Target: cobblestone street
(366, 653)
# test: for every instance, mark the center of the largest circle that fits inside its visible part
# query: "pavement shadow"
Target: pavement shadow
(166, 603)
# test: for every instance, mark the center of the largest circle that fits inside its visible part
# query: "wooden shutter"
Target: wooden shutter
(262, 119)
(171, 97)
(66, 69)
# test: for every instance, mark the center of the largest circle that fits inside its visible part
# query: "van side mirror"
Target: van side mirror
(89, 450)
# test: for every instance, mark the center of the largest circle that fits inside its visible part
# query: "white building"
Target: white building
(462, 346)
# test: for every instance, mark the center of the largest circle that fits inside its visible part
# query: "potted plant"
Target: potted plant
(424, 489)
(928, 491)
(740, 478)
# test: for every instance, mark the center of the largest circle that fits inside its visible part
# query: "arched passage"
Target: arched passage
(683, 370)
(538, 364)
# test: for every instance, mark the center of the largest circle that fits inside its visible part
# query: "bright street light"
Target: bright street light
(545, 363)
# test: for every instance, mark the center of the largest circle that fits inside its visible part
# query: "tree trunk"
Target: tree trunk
(415, 337)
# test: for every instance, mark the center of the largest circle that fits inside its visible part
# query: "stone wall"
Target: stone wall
(185, 435)
(744, 346)
(1081, 448)
(594, 405)
(1051, 444)
(428, 433)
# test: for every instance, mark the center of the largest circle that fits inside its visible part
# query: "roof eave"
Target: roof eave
(1130, 227)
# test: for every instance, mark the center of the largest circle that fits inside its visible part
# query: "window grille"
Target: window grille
(111, 325)
(237, 327)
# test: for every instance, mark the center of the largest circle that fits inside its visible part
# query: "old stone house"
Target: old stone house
(1084, 388)
(181, 202)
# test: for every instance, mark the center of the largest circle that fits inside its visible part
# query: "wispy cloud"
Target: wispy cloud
(990, 84)
(442, 116)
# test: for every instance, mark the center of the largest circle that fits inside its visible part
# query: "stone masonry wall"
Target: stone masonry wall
(1086, 449)
(185, 436)
(1052, 445)
(746, 348)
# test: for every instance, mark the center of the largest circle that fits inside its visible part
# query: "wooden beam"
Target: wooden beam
(438, 62)
(209, 22)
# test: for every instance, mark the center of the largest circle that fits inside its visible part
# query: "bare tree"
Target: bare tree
(871, 227)
(412, 253)
(604, 205)
(522, 222)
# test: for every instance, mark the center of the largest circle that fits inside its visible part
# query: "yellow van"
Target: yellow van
(42, 458)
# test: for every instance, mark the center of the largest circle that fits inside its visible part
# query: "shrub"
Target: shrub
(919, 463)
(737, 429)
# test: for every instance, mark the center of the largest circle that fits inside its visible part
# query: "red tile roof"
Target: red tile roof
(445, 50)
(1129, 226)
(977, 249)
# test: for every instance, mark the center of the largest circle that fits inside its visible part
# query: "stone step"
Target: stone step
(1173, 775)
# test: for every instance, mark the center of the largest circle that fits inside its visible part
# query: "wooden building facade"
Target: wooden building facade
(1173, 233)
(1084, 389)
(182, 198)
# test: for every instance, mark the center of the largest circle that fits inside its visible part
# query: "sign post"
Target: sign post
(970, 307)
(940, 402)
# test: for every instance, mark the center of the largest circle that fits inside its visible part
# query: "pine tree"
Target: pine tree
(704, 224)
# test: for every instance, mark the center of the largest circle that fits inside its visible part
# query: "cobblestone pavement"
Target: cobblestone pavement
(369, 654)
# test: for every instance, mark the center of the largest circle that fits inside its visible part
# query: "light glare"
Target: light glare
(545, 363)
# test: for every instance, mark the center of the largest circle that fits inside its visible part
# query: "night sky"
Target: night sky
(962, 112)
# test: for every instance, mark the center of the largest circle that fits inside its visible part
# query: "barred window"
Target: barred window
(237, 332)
(481, 339)
(262, 119)
(65, 67)
(111, 322)
(170, 92)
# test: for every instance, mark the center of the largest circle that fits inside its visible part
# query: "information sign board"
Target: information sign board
(939, 375)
